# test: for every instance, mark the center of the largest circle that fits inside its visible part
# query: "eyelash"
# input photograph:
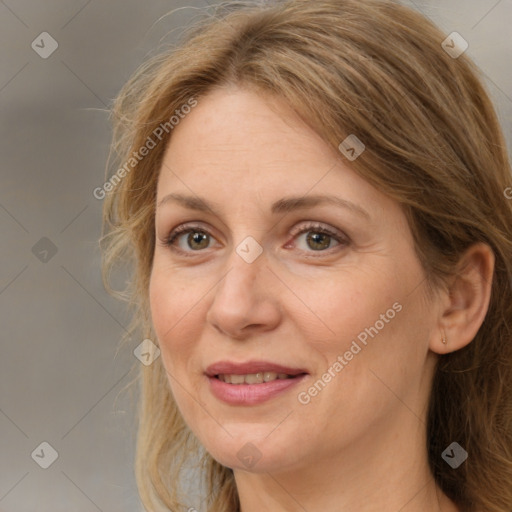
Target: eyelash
(169, 241)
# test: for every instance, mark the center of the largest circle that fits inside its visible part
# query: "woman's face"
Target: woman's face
(327, 289)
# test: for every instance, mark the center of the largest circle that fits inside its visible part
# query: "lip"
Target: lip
(251, 394)
(250, 367)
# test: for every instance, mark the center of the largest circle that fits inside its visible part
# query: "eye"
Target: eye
(197, 237)
(318, 240)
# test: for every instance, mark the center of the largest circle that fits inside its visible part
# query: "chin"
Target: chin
(255, 454)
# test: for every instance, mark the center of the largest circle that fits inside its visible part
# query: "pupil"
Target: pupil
(196, 237)
(317, 240)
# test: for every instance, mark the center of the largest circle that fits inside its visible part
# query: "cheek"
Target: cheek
(373, 322)
(174, 310)
(335, 310)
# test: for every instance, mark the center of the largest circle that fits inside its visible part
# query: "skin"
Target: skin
(359, 444)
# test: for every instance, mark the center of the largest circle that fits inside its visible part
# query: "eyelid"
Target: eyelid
(168, 240)
(321, 227)
(336, 234)
(341, 238)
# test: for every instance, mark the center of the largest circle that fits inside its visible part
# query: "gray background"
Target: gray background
(62, 371)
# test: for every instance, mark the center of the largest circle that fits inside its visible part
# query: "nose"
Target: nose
(245, 299)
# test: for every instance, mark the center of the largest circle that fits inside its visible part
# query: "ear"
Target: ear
(465, 303)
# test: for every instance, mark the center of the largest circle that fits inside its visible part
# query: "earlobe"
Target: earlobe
(467, 300)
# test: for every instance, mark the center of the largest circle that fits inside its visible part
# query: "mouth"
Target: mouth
(252, 382)
(254, 378)
(252, 372)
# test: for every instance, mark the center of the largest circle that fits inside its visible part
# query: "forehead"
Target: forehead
(233, 131)
(233, 124)
(236, 144)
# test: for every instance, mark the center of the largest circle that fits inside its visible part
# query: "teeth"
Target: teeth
(269, 376)
(237, 379)
(252, 378)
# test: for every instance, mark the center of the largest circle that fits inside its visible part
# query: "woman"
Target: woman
(312, 194)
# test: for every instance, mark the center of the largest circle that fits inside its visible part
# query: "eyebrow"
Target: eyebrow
(285, 205)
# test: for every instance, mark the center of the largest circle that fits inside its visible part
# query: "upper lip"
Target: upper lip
(229, 367)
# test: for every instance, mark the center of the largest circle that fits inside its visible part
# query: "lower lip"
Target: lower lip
(251, 394)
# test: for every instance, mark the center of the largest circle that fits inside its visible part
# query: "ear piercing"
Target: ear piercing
(443, 339)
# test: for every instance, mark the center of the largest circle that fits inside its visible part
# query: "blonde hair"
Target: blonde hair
(433, 143)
